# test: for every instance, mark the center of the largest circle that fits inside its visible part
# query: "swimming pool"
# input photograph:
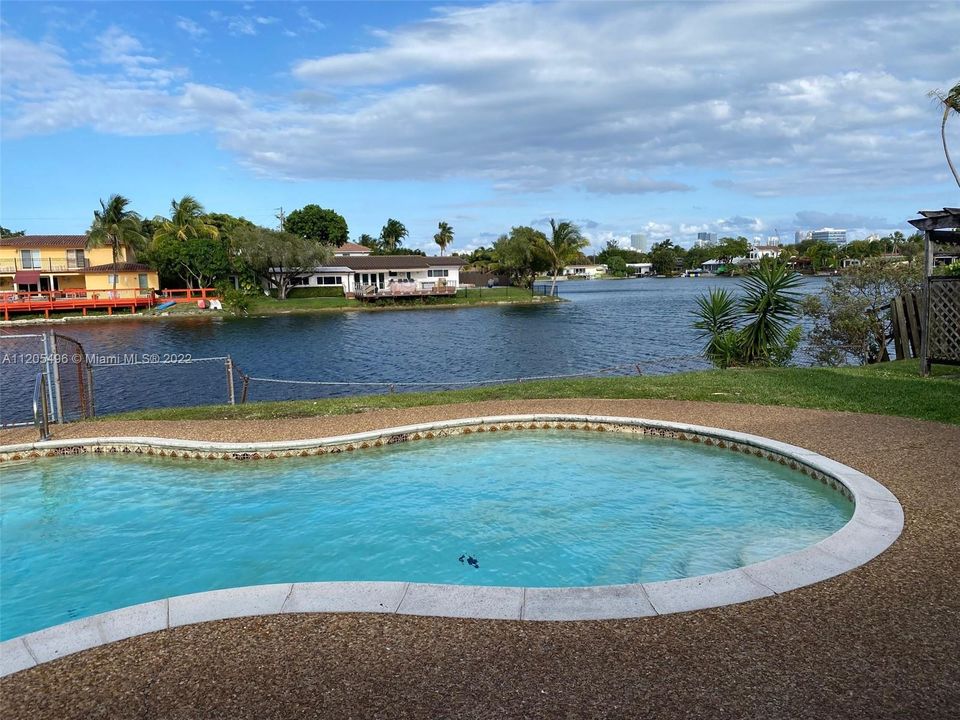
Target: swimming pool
(552, 508)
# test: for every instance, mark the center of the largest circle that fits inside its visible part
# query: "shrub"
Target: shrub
(236, 301)
(323, 291)
(849, 319)
(753, 330)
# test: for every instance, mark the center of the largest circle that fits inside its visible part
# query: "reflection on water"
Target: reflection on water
(605, 323)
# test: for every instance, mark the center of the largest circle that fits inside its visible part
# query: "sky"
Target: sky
(665, 119)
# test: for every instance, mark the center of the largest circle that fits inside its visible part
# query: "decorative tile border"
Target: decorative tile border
(876, 523)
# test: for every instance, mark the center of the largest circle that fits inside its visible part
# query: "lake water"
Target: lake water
(604, 324)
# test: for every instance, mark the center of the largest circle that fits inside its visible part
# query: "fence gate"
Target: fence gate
(73, 379)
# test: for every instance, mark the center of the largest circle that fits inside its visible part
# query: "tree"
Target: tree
(616, 265)
(116, 226)
(186, 221)
(522, 254)
(848, 320)
(663, 256)
(200, 260)
(729, 248)
(482, 260)
(951, 103)
(278, 258)
(326, 227)
(562, 247)
(444, 236)
(6, 232)
(612, 250)
(369, 241)
(392, 234)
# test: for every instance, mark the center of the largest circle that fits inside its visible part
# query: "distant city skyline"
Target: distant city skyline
(618, 117)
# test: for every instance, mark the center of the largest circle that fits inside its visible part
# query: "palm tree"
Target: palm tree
(950, 101)
(187, 220)
(444, 237)
(563, 247)
(113, 224)
(393, 234)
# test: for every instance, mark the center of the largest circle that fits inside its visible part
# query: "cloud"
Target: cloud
(814, 220)
(311, 21)
(616, 99)
(636, 186)
(192, 28)
(248, 25)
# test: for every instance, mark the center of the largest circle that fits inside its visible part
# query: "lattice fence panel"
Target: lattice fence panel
(944, 341)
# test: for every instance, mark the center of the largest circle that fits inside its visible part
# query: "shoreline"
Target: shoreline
(536, 300)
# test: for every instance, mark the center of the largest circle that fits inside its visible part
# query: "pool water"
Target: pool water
(87, 534)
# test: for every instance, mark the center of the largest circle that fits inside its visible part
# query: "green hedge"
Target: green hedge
(316, 292)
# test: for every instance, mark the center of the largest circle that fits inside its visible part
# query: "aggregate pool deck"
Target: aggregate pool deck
(882, 641)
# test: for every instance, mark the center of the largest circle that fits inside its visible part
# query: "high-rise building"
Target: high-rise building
(706, 238)
(638, 241)
(830, 235)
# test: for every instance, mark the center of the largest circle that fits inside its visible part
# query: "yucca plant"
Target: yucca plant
(770, 299)
(756, 328)
(717, 314)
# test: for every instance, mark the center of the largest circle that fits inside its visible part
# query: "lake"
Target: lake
(604, 324)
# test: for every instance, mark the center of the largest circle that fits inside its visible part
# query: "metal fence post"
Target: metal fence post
(57, 390)
(90, 402)
(230, 394)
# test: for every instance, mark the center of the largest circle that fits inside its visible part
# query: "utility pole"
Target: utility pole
(281, 217)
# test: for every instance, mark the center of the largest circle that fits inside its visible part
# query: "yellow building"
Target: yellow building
(36, 263)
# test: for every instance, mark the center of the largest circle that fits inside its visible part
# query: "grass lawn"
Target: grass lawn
(262, 305)
(888, 389)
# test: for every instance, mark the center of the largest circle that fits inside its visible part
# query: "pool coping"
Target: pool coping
(876, 523)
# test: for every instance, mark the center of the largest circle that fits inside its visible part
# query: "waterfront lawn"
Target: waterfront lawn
(263, 305)
(887, 389)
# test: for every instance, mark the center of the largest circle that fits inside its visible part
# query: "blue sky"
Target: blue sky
(660, 118)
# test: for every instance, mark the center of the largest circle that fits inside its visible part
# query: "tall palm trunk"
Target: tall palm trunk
(943, 136)
(115, 242)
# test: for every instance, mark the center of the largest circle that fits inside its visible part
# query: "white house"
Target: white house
(759, 252)
(584, 272)
(357, 270)
(640, 269)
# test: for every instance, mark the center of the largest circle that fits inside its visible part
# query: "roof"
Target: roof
(119, 267)
(946, 219)
(39, 241)
(397, 262)
(352, 248)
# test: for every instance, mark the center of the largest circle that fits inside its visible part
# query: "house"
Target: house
(640, 269)
(359, 273)
(42, 263)
(583, 272)
(349, 249)
(759, 252)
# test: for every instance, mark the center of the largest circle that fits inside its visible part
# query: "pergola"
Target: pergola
(940, 320)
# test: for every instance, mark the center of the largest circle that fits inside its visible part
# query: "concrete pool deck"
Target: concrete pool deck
(881, 640)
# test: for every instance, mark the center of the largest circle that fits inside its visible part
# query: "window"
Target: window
(438, 272)
(75, 259)
(300, 281)
(30, 259)
(330, 280)
(112, 280)
(142, 280)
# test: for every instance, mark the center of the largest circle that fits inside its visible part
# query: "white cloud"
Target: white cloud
(609, 98)
(191, 27)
